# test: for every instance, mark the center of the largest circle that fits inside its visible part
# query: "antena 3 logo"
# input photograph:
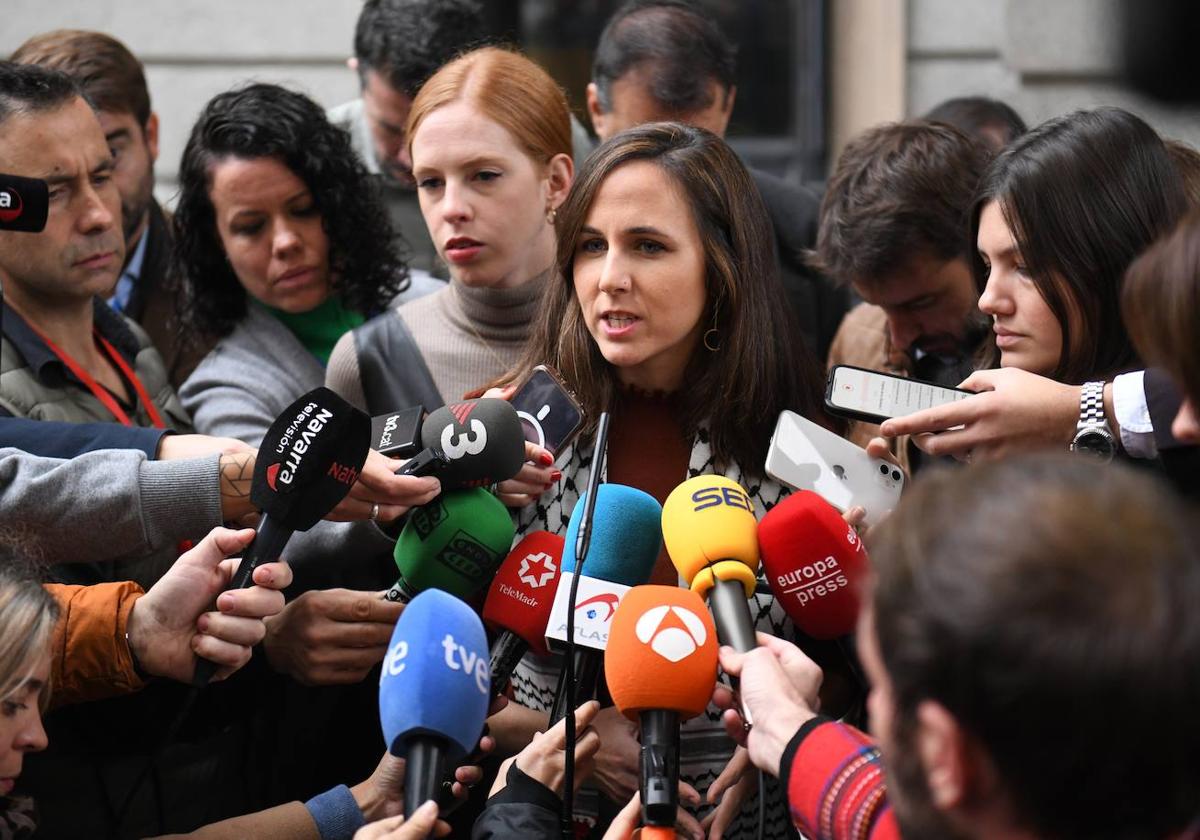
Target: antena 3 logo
(295, 443)
(674, 633)
(10, 205)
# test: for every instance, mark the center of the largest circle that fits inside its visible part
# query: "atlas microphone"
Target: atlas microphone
(815, 564)
(453, 543)
(470, 444)
(307, 462)
(624, 545)
(661, 666)
(434, 691)
(519, 601)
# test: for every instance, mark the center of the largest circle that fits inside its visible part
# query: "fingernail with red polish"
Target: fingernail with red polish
(556, 475)
(546, 459)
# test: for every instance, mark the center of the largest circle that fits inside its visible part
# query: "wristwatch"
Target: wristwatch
(1092, 434)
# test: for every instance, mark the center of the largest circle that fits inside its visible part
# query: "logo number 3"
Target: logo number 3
(455, 445)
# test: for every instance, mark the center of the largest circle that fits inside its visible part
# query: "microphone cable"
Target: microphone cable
(583, 541)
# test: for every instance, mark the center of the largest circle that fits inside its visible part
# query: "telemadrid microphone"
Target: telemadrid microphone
(453, 543)
(519, 600)
(434, 691)
(624, 544)
(470, 444)
(815, 564)
(661, 666)
(24, 204)
(307, 462)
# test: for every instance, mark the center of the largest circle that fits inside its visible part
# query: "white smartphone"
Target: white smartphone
(869, 395)
(806, 456)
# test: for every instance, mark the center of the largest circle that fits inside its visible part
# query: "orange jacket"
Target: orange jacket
(90, 658)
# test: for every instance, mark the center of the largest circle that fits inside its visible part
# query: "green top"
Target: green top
(319, 329)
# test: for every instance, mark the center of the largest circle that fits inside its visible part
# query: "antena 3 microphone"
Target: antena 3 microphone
(472, 443)
(711, 534)
(661, 666)
(24, 204)
(519, 601)
(434, 690)
(307, 463)
(453, 543)
(815, 564)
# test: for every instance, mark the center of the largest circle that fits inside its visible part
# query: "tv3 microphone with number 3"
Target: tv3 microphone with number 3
(470, 444)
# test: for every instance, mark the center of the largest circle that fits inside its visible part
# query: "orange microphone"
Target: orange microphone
(661, 665)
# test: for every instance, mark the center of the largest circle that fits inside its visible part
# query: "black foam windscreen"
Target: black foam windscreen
(310, 458)
(481, 440)
(24, 203)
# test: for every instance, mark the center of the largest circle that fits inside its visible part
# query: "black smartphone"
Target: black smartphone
(873, 397)
(549, 413)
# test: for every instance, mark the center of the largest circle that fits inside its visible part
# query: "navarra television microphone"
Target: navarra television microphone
(711, 535)
(24, 204)
(661, 666)
(307, 463)
(625, 542)
(519, 601)
(472, 443)
(815, 564)
(454, 543)
(434, 691)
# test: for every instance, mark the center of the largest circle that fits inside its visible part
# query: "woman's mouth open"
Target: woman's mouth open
(462, 249)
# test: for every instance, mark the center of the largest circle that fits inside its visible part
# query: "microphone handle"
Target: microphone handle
(659, 767)
(507, 651)
(426, 462)
(425, 765)
(266, 547)
(731, 614)
(587, 676)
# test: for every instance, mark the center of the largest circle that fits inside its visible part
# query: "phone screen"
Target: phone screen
(548, 415)
(881, 395)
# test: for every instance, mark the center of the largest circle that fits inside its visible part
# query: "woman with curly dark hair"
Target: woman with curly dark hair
(282, 245)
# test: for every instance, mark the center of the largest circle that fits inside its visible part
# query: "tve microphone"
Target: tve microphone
(434, 690)
(711, 534)
(470, 444)
(519, 601)
(453, 543)
(307, 462)
(24, 204)
(661, 665)
(625, 541)
(815, 564)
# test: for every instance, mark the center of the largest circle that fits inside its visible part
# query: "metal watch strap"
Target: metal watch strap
(1091, 405)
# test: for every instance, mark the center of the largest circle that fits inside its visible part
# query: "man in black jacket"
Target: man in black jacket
(664, 60)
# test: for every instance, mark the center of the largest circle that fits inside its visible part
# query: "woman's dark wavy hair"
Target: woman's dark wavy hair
(1083, 195)
(268, 121)
(763, 365)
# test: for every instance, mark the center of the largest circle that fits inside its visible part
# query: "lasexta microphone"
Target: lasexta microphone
(307, 462)
(711, 534)
(624, 544)
(815, 564)
(661, 666)
(453, 543)
(519, 601)
(434, 691)
(470, 444)
(24, 204)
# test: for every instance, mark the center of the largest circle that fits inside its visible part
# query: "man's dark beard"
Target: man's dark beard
(950, 370)
(908, 790)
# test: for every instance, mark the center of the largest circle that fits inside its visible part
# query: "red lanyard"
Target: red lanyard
(98, 391)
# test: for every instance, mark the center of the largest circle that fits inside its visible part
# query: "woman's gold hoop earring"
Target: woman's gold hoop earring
(712, 340)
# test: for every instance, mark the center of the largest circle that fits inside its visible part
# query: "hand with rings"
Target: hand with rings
(380, 495)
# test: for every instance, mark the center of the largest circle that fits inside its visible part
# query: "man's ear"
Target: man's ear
(560, 172)
(727, 109)
(946, 754)
(352, 63)
(150, 132)
(596, 113)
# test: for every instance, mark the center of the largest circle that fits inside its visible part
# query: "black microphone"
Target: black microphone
(472, 443)
(307, 463)
(24, 204)
(398, 434)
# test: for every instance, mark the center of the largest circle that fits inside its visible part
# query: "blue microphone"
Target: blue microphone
(624, 543)
(434, 690)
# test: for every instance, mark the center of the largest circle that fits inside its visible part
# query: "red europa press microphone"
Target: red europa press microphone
(815, 564)
(661, 666)
(519, 602)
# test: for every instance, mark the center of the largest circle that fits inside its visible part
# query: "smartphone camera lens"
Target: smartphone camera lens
(883, 469)
(896, 475)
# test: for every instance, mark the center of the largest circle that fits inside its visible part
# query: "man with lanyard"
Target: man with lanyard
(66, 355)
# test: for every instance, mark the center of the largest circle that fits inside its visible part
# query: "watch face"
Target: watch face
(1094, 442)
